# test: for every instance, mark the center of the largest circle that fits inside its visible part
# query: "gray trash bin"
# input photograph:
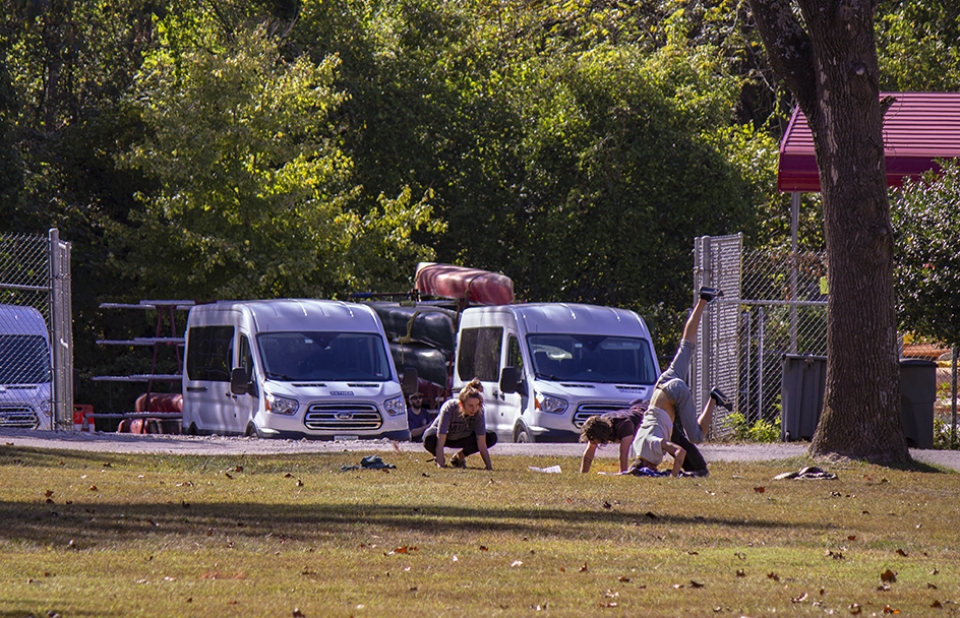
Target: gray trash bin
(801, 394)
(918, 393)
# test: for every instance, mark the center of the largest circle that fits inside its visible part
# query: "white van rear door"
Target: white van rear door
(207, 399)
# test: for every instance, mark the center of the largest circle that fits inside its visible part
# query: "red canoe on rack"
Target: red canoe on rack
(468, 284)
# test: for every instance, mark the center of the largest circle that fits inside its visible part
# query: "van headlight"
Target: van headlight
(550, 404)
(395, 406)
(281, 405)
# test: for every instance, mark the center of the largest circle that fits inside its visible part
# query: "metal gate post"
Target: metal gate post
(61, 326)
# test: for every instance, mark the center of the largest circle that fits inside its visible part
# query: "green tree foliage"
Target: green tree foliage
(254, 189)
(917, 44)
(927, 274)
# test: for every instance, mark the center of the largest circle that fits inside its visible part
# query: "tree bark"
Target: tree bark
(829, 62)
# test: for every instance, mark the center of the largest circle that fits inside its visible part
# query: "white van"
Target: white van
(548, 367)
(24, 369)
(290, 369)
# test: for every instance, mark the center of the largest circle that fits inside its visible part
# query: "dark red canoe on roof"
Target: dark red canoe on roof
(471, 285)
(917, 129)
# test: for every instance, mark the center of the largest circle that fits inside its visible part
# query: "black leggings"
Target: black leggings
(468, 444)
(694, 461)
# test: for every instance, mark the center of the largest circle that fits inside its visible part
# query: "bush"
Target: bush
(943, 438)
(760, 430)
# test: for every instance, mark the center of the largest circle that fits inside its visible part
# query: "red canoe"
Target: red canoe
(468, 284)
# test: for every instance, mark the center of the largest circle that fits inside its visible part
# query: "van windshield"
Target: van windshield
(308, 356)
(24, 359)
(592, 358)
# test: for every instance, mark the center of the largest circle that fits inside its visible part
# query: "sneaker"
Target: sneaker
(708, 294)
(722, 400)
(695, 473)
(458, 462)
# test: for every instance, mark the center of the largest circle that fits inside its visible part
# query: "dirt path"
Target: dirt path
(215, 445)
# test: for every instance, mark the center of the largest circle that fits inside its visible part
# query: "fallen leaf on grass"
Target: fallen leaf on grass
(299, 482)
(695, 584)
(455, 559)
(404, 550)
(934, 571)
(773, 576)
(937, 605)
(238, 469)
(606, 505)
(759, 490)
(483, 548)
(855, 608)
(900, 552)
(740, 573)
(228, 475)
(610, 594)
(583, 569)
(740, 555)
(677, 586)
(651, 515)
(623, 579)
(297, 613)
(931, 586)
(288, 476)
(883, 587)
(693, 553)
(48, 493)
(611, 604)
(890, 610)
(516, 563)
(93, 488)
(888, 576)
(852, 537)
(799, 599)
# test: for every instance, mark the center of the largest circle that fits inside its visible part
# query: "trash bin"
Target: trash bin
(918, 394)
(801, 394)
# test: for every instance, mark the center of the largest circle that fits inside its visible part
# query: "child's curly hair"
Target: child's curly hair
(598, 429)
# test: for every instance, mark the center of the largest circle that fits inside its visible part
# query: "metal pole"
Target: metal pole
(760, 318)
(62, 333)
(749, 364)
(794, 224)
(953, 398)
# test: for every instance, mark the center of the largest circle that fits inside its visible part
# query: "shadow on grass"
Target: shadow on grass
(92, 523)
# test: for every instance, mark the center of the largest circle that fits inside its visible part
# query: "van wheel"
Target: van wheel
(192, 429)
(251, 431)
(522, 436)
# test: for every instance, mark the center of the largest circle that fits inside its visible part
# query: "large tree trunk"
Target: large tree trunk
(831, 67)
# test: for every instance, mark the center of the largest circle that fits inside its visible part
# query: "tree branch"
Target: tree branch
(789, 49)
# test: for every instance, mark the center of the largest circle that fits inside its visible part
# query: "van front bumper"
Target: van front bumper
(402, 435)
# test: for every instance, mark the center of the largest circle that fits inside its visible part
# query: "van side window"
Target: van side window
(246, 356)
(479, 354)
(209, 355)
(514, 357)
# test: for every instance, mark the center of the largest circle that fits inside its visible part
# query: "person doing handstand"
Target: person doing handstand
(672, 399)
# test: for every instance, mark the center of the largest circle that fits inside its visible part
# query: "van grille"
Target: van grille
(18, 416)
(342, 417)
(586, 410)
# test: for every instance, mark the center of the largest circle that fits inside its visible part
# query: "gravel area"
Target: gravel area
(216, 445)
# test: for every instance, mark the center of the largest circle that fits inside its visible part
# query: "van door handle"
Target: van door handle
(196, 389)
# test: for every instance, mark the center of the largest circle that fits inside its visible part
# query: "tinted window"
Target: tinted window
(514, 357)
(479, 354)
(24, 359)
(210, 353)
(592, 358)
(307, 356)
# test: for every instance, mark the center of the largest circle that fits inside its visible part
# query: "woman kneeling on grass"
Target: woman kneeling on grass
(461, 424)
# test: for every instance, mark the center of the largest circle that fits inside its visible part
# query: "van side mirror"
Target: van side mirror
(411, 382)
(239, 381)
(510, 381)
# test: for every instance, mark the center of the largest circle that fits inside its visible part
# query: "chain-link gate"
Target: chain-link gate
(773, 304)
(36, 336)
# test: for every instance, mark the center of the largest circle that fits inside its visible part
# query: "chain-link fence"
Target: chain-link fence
(36, 341)
(774, 304)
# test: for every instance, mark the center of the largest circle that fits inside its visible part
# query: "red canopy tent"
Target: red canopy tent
(917, 129)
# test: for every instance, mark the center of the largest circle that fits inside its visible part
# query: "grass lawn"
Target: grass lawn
(151, 535)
